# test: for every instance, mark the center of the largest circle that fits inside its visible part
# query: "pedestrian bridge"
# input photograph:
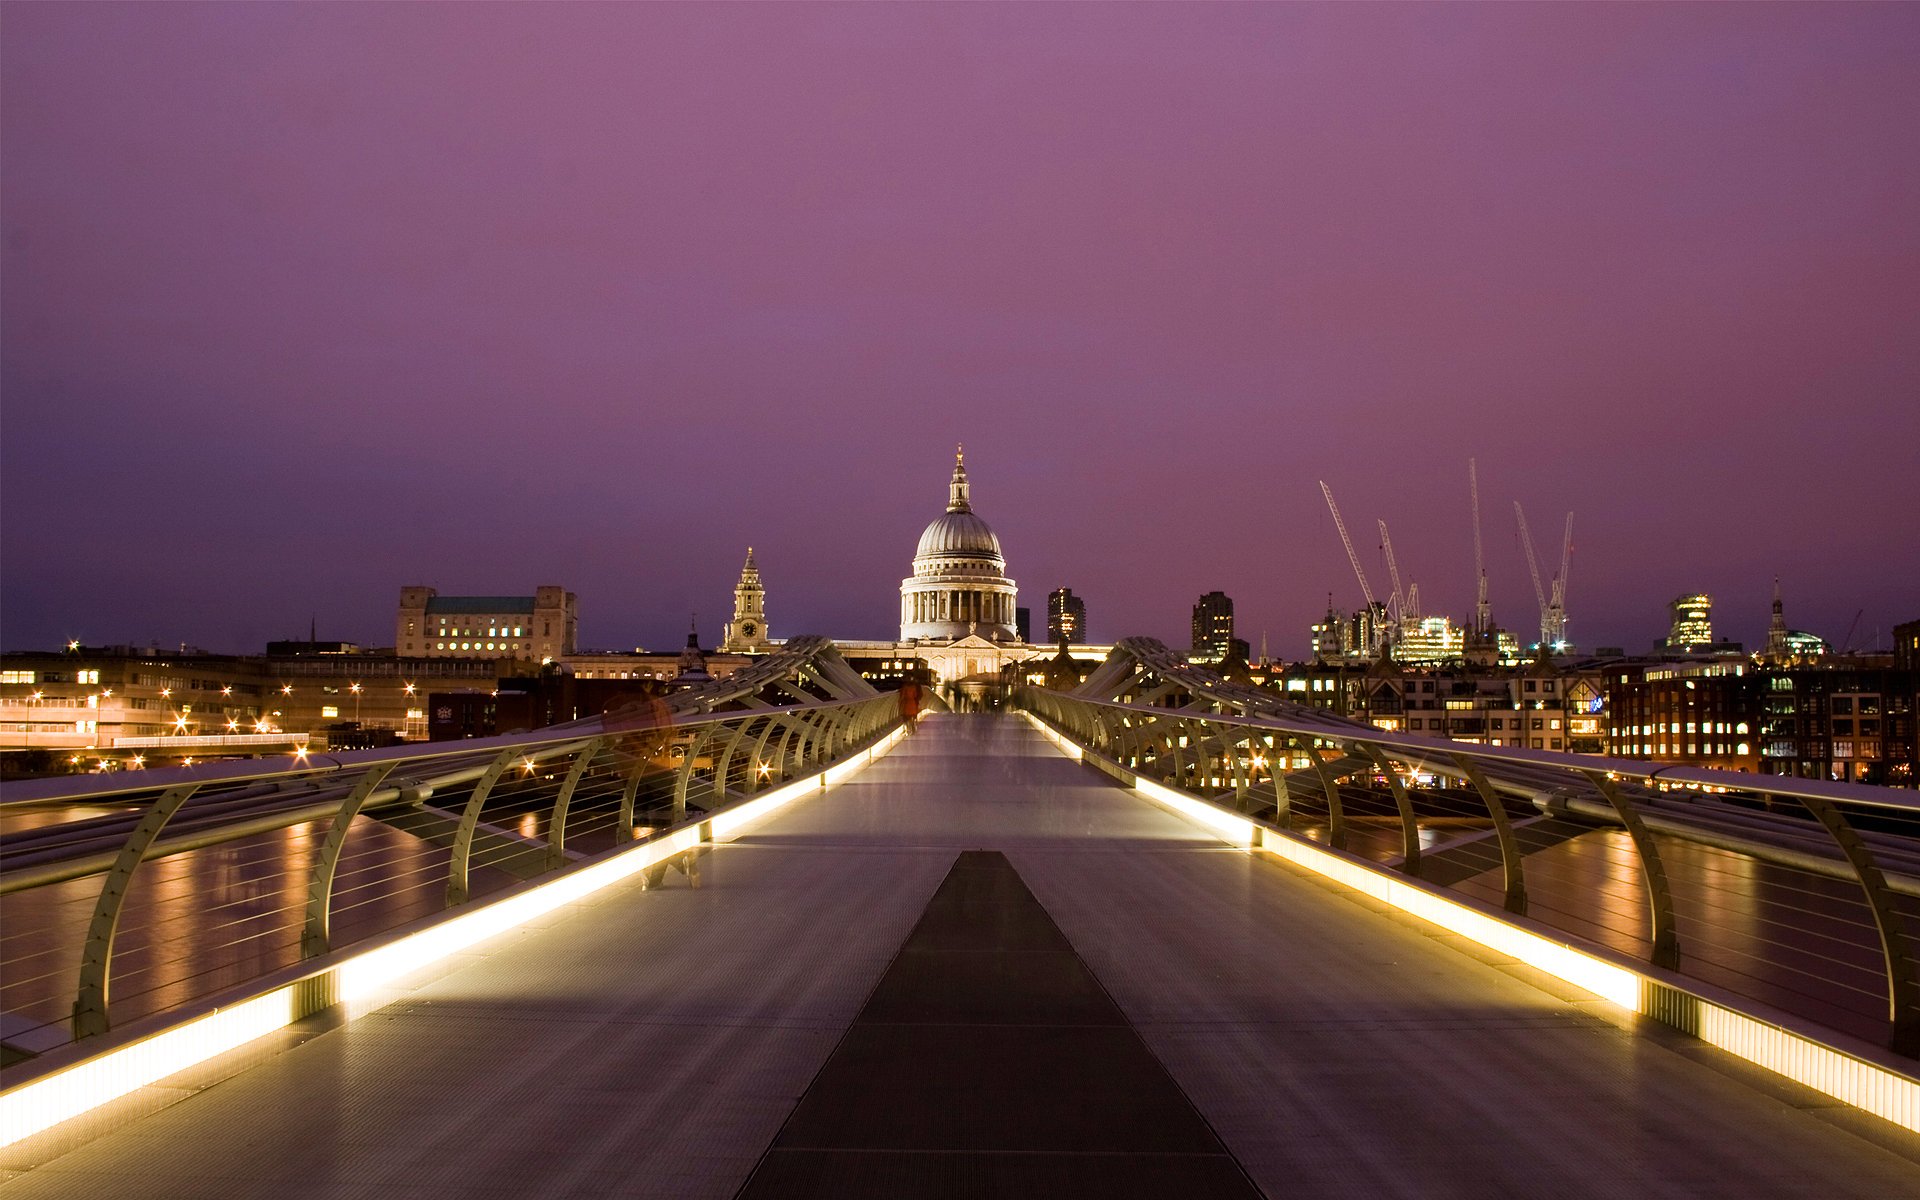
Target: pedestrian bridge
(971, 964)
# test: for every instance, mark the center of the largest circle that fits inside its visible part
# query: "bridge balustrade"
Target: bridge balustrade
(191, 882)
(1803, 895)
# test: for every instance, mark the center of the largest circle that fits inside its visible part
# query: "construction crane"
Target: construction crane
(1557, 609)
(1404, 605)
(1482, 611)
(1846, 646)
(1553, 612)
(1354, 558)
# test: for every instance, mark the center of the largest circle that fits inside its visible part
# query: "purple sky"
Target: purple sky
(306, 302)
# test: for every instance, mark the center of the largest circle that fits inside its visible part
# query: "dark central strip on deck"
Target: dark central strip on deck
(990, 1062)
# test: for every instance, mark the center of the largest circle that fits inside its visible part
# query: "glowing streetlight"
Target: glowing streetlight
(73, 644)
(355, 689)
(409, 689)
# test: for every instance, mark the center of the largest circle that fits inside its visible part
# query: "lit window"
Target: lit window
(329, 710)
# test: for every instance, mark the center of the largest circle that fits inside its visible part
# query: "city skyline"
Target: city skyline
(302, 304)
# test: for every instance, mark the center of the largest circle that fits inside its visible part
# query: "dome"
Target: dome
(954, 534)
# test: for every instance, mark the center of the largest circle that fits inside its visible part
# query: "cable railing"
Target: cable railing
(1802, 895)
(190, 882)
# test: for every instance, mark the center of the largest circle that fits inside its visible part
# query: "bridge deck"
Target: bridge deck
(660, 1042)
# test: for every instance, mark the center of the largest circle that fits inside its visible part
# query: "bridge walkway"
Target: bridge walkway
(682, 1041)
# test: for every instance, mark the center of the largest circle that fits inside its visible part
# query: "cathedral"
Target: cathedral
(959, 586)
(958, 614)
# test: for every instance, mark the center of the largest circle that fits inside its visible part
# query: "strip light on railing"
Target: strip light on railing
(43, 1103)
(1803, 1059)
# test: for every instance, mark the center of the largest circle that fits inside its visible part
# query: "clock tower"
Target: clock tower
(747, 632)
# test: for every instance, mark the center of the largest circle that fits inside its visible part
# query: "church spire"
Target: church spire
(1778, 649)
(747, 632)
(959, 498)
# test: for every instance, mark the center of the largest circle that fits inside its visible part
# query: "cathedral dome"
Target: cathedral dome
(955, 534)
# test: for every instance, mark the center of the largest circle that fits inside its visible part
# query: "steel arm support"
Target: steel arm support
(1330, 788)
(1409, 830)
(1666, 941)
(90, 1003)
(314, 937)
(457, 888)
(694, 747)
(1903, 987)
(1516, 885)
(563, 800)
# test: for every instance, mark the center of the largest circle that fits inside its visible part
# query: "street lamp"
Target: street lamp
(355, 689)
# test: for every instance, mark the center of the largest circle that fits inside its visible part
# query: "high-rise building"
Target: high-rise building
(747, 632)
(1692, 621)
(1212, 627)
(1066, 617)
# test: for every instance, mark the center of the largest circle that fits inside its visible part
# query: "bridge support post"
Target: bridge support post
(1330, 788)
(1242, 776)
(1282, 793)
(725, 765)
(1666, 941)
(1409, 830)
(1903, 987)
(96, 959)
(624, 831)
(314, 938)
(457, 891)
(1193, 767)
(1516, 884)
(694, 747)
(758, 758)
(781, 770)
(563, 800)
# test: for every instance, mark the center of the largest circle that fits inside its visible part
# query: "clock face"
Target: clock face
(747, 628)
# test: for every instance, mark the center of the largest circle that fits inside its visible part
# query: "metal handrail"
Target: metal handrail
(1866, 836)
(588, 781)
